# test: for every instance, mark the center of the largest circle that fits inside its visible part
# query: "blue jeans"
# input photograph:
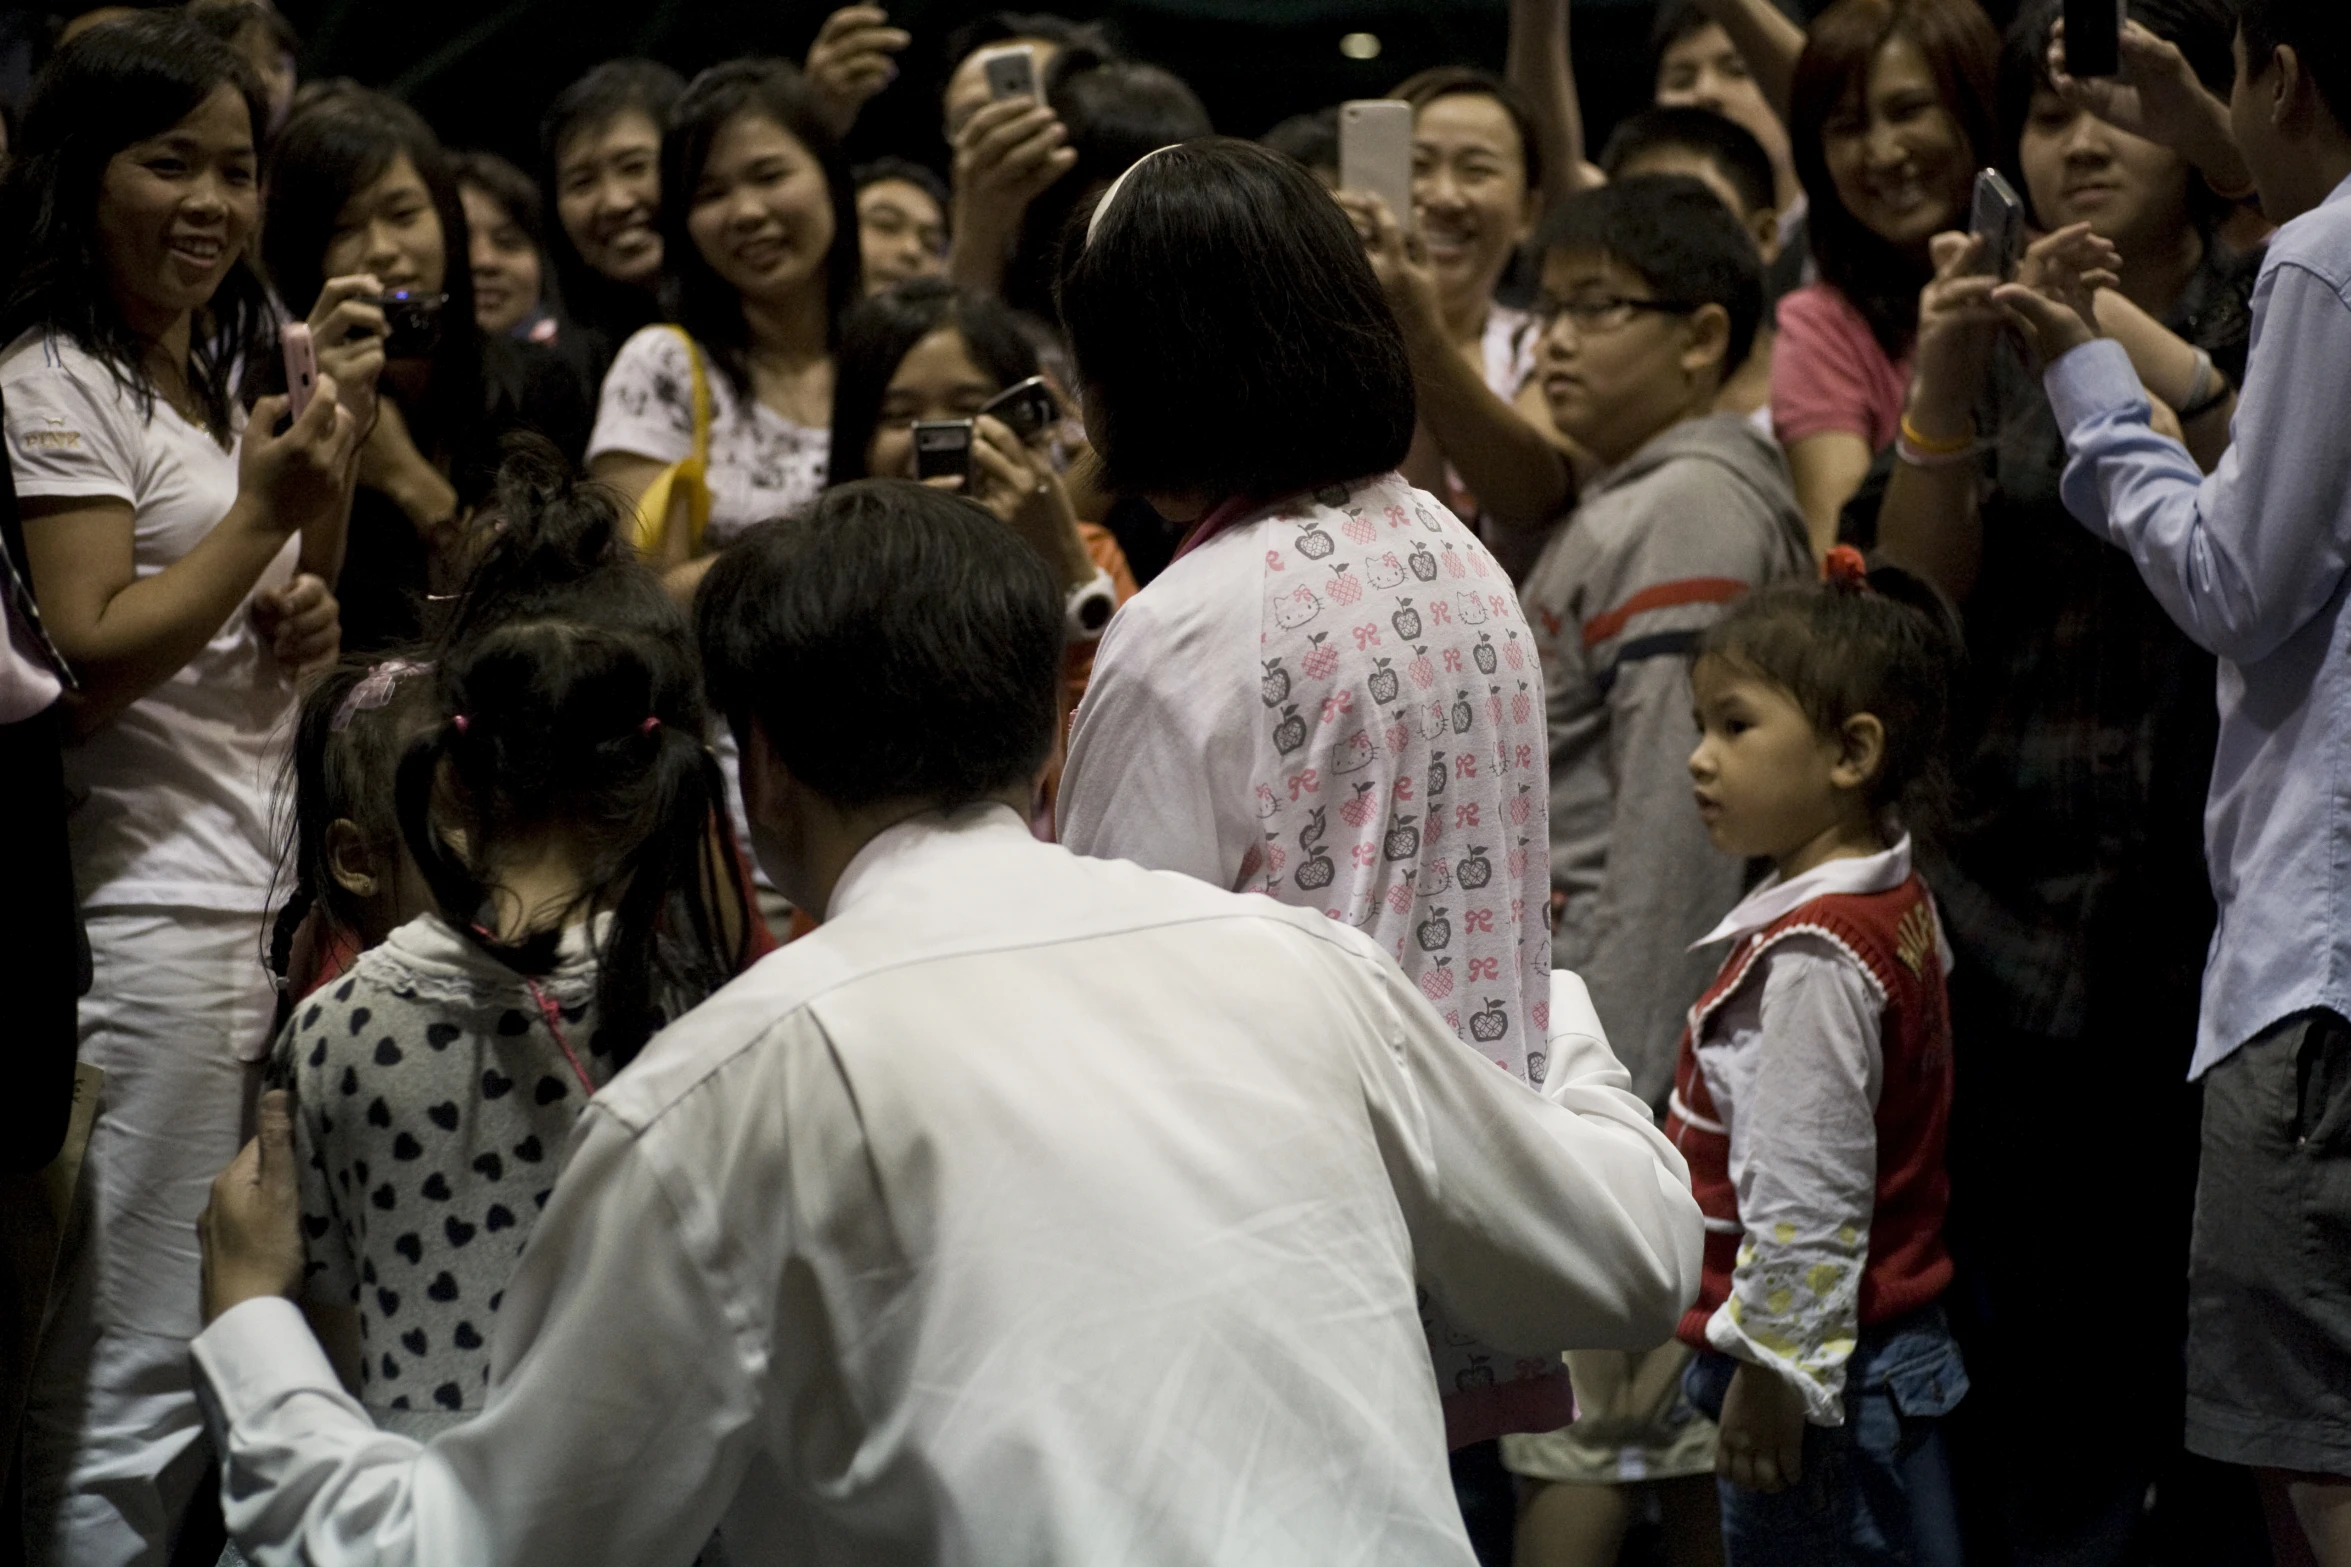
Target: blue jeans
(1876, 1490)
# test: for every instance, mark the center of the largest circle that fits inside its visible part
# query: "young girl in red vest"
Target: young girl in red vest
(1814, 1081)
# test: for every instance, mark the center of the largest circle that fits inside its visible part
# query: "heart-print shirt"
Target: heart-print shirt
(1336, 702)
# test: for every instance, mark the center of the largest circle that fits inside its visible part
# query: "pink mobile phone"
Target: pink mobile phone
(301, 366)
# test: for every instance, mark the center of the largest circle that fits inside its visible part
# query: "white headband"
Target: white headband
(1094, 223)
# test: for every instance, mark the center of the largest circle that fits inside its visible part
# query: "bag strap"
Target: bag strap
(701, 383)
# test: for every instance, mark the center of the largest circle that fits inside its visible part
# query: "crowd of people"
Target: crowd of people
(1091, 850)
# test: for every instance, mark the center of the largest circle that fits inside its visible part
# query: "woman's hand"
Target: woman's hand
(851, 60)
(298, 478)
(1017, 484)
(301, 622)
(1957, 326)
(1398, 261)
(1006, 156)
(347, 330)
(2157, 96)
(1762, 1442)
(2054, 297)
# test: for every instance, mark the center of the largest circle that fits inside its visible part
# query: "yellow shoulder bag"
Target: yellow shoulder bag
(686, 479)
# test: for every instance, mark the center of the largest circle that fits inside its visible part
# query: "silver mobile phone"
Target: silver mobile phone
(1375, 151)
(1011, 72)
(1026, 407)
(1999, 222)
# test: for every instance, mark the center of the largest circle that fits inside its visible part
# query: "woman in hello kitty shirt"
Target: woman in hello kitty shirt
(1330, 696)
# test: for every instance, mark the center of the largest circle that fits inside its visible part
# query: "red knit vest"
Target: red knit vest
(1891, 935)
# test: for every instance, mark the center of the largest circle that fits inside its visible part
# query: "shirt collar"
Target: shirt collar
(1774, 899)
(916, 838)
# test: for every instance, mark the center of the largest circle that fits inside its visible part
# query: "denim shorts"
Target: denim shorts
(1876, 1491)
(2269, 1270)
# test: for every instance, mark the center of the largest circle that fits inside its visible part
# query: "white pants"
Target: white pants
(113, 1440)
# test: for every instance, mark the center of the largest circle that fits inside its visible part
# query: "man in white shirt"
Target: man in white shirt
(1034, 1209)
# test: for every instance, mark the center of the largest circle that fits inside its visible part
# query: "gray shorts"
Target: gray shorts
(2269, 1273)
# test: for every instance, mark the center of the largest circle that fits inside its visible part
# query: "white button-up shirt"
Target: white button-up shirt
(1084, 1233)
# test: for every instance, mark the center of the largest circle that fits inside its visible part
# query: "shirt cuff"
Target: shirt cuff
(258, 1354)
(2094, 379)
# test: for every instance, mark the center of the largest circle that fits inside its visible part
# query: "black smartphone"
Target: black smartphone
(1027, 408)
(2093, 37)
(942, 447)
(1999, 223)
(412, 322)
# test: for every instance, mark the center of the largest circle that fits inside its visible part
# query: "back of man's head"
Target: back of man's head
(894, 643)
(2319, 33)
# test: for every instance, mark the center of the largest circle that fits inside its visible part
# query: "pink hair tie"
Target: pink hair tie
(374, 689)
(649, 725)
(458, 722)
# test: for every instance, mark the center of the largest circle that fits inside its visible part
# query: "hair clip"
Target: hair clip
(375, 689)
(459, 722)
(1845, 569)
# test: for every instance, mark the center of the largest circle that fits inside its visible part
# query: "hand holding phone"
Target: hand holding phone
(1375, 152)
(1999, 223)
(1010, 72)
(301, 366)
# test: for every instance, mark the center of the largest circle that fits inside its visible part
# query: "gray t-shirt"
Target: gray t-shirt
(434, 1099)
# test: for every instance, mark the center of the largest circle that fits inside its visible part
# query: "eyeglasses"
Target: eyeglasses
(1603, 312)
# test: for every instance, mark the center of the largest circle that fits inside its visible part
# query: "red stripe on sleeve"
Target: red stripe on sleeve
(1664, 595)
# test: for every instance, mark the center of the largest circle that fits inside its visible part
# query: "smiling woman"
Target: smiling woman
(163, 532)
(602, 142)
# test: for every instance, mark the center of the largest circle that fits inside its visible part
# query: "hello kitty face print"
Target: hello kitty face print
(1400, 763)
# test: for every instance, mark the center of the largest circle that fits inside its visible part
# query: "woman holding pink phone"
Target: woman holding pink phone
(172, 536)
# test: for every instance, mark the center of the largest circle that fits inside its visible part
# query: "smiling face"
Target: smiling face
(2079, 169)
(901, 233)
(1898, 158)
(504, 262)
(1704, 70)
(392, 229)
(1613, 378)
(608, 196)
(762, 214)
(1764, 778)
(938, 379)
(1469, 193)
(174, 212)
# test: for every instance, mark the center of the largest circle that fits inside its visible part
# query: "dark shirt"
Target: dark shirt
(2072, 873)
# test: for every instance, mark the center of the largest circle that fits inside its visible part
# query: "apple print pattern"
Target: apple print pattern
(433, 1108)
(1395, 782)
(1395, 770)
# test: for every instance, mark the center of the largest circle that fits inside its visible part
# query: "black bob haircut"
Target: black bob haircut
(118, 83)
(895, 643)
(1726, 144)
(1681, 240)
(906, 171)
(708, 307)
(879, 334)
(1229, 334)
(2319, 33)
(1312, 139)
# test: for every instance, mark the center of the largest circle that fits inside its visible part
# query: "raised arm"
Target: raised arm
(1539, 64)
(1766, 39)
(1929, 522)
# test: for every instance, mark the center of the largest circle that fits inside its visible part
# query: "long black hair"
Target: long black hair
(883, 329)
(603, 306)
(569, 697)
(328, 153)
(119, 83)
(707, 305)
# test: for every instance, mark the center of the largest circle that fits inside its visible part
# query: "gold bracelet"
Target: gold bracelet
(1928, 446)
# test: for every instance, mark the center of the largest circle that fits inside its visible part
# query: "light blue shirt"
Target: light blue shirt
(2251, 564)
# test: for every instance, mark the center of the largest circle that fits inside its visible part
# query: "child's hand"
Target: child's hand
(1762, 1446)
(2053, 297)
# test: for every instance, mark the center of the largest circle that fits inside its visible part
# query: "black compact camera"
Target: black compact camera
(412, 322)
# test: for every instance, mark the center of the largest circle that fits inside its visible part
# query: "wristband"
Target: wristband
(1928, 446)
(1923, 457)
(2207, 392)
